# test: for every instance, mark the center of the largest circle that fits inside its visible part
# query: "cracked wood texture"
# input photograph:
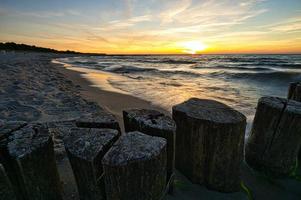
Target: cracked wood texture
(275, 137)
(98, 120)
(154, 123)
(6, 129)
(6, 191)
(32, 158)
(135, 168)
(209, 144)
(85, 149)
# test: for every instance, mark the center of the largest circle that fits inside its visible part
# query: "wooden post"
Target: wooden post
(154, 123)
(275, 137)
(85, 149)
(99, 120)
(294, 91)
(32, 157)
(135, 168)
(59, 130)
(13, 172)
(6, 191)
(209, 145)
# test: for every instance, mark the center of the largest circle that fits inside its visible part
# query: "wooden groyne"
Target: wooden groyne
(204, 141)
(275, 137)
(85, 149)
(154, 123)
(294, 91)
(209, 145)
(30, 159)
(135, 168)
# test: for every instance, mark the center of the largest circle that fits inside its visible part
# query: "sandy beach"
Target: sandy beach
(95, 87)
(34, 88)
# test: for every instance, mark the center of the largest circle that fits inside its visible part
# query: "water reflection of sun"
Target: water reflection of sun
(193, 47)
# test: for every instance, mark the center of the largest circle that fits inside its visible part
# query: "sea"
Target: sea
(165, 80)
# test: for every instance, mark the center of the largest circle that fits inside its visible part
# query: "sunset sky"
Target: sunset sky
(155, 26)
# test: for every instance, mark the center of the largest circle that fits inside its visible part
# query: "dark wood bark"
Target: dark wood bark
(154, 123)
(294, 91)
(275, 137)
(12, 171)
(85, 149)
(99, 120)
(32, 157)
(135, 168)
(6, 190)
(209, 144)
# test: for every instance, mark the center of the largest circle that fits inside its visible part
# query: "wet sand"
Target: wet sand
(95, 87)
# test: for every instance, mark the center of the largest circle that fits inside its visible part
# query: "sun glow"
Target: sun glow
(193, 47)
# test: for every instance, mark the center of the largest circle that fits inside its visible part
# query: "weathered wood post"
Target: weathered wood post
(85, 149)
(135, 168)
(32, 155)
(294, 91)
(154, 123)
(210, 141)
(6, 191)
(98, 120)
(275, 137)
(6, 129)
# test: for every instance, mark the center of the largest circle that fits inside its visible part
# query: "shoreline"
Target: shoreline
(37, 90)
(103, 94)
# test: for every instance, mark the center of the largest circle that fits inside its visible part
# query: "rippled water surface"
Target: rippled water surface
(237, 80)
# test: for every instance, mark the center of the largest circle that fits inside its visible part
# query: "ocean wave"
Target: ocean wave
(83, 63)
(252, 59)
(127, 69)
(272, 64)
(271, 76)
(234, 67)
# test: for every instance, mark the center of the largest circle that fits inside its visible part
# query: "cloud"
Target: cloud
(211, 11)
(124, 24)
(290, 25)
(41, 14)
(173, 10)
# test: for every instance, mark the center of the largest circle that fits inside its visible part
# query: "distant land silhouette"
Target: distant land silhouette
(11, 46)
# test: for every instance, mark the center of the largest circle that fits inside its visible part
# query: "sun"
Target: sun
(193, 47)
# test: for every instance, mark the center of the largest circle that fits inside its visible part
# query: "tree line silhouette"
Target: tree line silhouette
(11, 46)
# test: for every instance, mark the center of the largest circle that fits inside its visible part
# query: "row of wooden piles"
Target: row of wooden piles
(204, 141)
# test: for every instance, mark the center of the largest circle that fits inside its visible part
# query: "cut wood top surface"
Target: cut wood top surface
(87, 143)
(134, 146)
(8, 127)
(28, 139)
(96, 118)
(151, 118)
(294, 107)
(275, 102)
(291, 106)
(209, 110)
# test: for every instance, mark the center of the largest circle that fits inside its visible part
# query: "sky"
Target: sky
(154, 26)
